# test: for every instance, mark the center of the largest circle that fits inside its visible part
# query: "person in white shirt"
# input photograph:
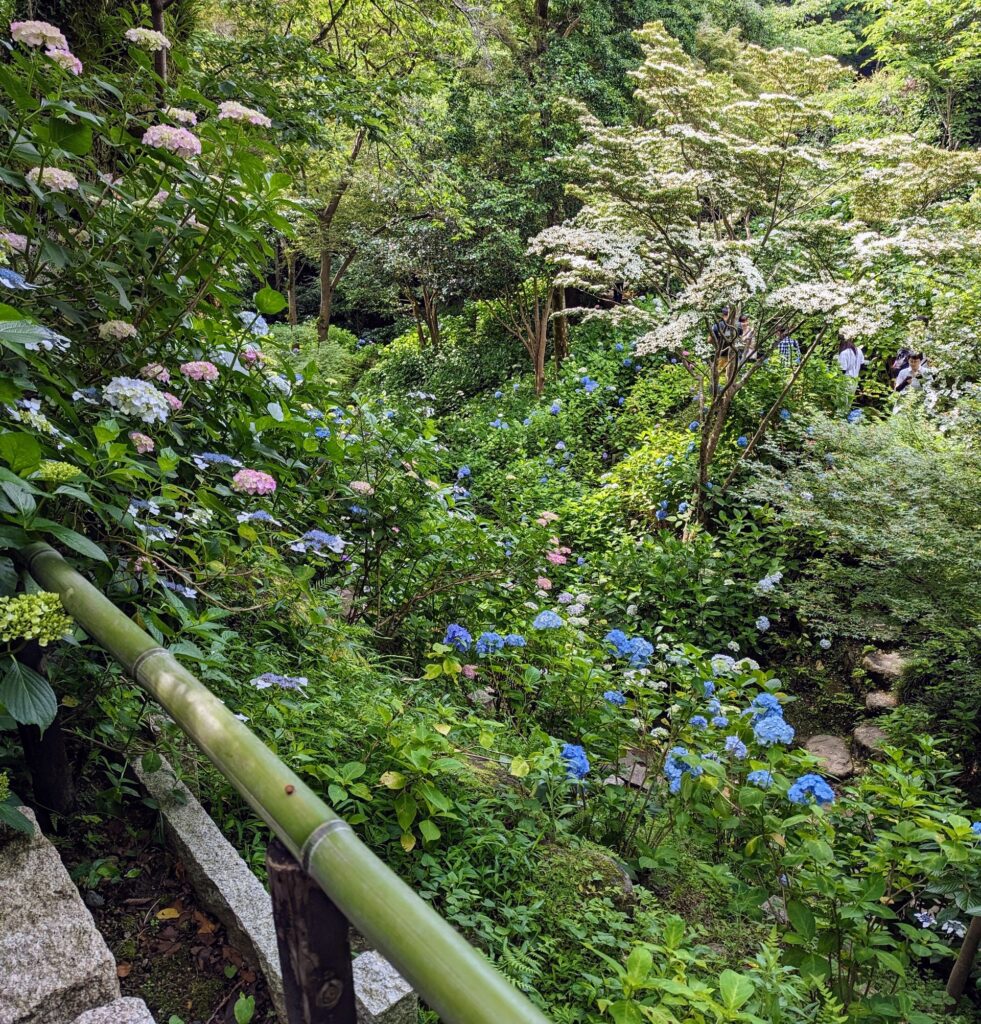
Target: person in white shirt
(851, 359)
(913, 373)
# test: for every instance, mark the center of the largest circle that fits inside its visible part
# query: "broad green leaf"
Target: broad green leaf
(429, 830)
(268, 301)
(27, 696)
(20, 451)
(802, 919)
(735, 989)
(72, 539)
(639, 965)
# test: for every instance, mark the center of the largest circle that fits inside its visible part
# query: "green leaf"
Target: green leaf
(405, 810)
(20, 451)
(74, 138)
(19, 495)
(429, 830)
(151, 761)
(9, 815)
(890, 961)
(244, 1008)
(268, 300)
(72, 539)
(735, 989)
(639, 965)
(8, 577)
(802, 919)
(27, 696)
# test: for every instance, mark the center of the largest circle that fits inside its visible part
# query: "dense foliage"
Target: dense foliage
(383, 361)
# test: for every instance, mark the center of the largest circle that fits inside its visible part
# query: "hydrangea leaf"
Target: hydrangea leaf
(27, 696)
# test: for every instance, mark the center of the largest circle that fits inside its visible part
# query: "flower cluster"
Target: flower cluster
(769, 582)
(141, 442)
(489, 643)
(268, 679)
(37, 33)
(614, 697)
(147, 38)
(457, 637)
(253, 481)
(156, 371)
(174, 139)
(134, 397)
(64, 58)
(811, 787)
(576, 762)
(55, 472)
(54, 179)
(769, 726)
(319, 541)
(255, 322)
(181, 115)
(205, 459)
(200, 370)
(635, 649)
(676, 768)
(37, 617)
(547, 620)
(231, 110)
(117, 330)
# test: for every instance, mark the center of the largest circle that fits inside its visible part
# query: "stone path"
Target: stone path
(55, 967)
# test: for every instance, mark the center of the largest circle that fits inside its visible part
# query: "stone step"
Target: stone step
(886, 665)
(834, 753)
(878, 702)
(868, 737)
(54, 964)
(127, 1010)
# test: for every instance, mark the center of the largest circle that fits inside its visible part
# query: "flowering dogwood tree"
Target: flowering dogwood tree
(729, 196)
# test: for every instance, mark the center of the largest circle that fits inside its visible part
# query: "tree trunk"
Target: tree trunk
(961, 970)
(291, 287)
(326, 294)
(157, 21)
(560, 330)
(431, 313)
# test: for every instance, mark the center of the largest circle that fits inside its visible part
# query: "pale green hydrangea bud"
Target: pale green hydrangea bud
(33, 617)
(56, 472)
(4, 787)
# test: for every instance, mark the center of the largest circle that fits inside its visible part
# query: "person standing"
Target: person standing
(787, 347)
(912, 374)
(851, 359)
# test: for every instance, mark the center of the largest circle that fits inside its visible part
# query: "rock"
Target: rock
(383, 996)
(54, 964)
(119, 1011)
(880, 701)
(483, 698)
(94, 900)
(774, 909)
(833, 752)
(869, 737)
(887, 665)
(218, 875)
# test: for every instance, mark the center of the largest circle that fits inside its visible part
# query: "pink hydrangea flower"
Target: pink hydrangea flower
(143, 444)
(147, 38)
(156, 201)
(230, 110)
(253, 355)
(64, 58)
(545, 518)
(253, 481)
(14, 242)
(116, 330)
(156, 371)
(556, 558)
(182, 115)
(38, 33)
(543, 583)
(469, 671)
(53, 179)
(200, 370)
(178, 141)
(173, 401)
(361, 487)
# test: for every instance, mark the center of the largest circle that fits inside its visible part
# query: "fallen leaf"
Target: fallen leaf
(168, 914)
(122, 970)
(205, 925)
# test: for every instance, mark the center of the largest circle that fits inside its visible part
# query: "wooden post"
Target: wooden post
(314, 952)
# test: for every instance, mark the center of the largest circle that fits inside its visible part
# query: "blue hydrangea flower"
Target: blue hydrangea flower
(675, 768)
(808, 787)
(547, 620)
(693, 426)
(720, 721)
(762, 623)
(560, 446)
(179, 588)
(463, 472)
(824, 643)
(498, 424)
(458, 637)
(742, 440)
(14, 281)
(318, 541)
(204, 459)
(660, 514)
(555, 407)
(785, 414)
(255, 322)
(268, 679)
(589, 385)
(698, 721)
(258, 516)
(323, 433)
(772, 730)
(514, 640)
(618, 347)
(976, 828)
(576, 762)
(489, 643)
(708, 687)
(760, 777)
(736, 747)
(854, 416)
(615, 697)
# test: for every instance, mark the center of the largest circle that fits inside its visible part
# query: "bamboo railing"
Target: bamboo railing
(453, 978)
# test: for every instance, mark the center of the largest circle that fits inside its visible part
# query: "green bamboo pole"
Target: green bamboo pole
(455, 979)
